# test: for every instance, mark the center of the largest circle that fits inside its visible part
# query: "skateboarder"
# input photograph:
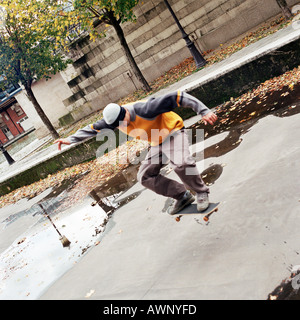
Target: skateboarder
(156, 122)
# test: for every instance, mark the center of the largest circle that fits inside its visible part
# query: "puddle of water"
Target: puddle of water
(109, 195)
(247, 113)
(237, 120)
(36, 258)
(289, 289)
(212, 174)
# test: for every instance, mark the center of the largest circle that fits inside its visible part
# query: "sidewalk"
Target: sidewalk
(237, 60)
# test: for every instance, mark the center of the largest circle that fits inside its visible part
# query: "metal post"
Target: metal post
(200, 61)
(9, 159)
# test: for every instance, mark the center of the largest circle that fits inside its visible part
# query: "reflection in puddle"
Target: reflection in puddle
(37, 258)
(289, 289)
(238, 118)
(63, 239)
(212, 174)
(106, 195)
(54, 200)
(231, 142)
(233, 115)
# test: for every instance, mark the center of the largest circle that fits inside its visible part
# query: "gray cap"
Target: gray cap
(111, 113)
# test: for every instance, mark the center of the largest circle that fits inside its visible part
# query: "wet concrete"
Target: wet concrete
(246, 249)
(250, 163)
(32, 255)
(289, 289)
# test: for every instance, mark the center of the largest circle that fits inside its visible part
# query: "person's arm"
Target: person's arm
(169, 102)
(188, 101)
(199, 107)
(84, 133)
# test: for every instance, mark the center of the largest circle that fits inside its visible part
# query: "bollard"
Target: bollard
(9, 159)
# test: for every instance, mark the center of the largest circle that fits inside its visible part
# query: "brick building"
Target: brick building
(11, 115)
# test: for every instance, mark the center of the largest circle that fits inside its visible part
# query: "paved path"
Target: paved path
(235, 61)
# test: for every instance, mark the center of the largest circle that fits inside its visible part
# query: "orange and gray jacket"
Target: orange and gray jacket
(153, 120)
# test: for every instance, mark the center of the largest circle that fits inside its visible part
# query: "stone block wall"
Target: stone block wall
(101, 74)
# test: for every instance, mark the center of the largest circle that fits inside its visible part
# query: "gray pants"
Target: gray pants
(176, 149)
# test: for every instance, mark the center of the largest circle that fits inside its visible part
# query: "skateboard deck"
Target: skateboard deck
(192, 209)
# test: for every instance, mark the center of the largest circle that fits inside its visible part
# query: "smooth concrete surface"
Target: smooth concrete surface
(244, 252)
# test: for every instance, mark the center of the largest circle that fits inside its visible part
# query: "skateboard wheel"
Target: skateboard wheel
(178, 218)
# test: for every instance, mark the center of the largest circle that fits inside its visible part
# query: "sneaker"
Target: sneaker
(202, 201)
(186, 200)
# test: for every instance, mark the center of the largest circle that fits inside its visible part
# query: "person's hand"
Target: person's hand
(62, 141)
(210, 118)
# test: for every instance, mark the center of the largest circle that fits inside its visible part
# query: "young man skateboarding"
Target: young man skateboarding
(156, 122)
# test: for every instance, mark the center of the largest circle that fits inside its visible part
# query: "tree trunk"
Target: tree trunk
(137, 72)
(41, 113)
(285, 8)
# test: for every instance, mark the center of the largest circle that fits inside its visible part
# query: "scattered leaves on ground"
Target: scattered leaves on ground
(188, 66)
(91, 174)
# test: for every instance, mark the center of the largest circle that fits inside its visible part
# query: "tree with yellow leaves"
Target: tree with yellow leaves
(30, 40)
(90, 13)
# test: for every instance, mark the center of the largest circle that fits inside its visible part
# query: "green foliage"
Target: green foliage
(108, 12)
(30, 41)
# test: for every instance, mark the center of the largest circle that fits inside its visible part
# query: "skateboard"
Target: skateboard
(192, 209)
